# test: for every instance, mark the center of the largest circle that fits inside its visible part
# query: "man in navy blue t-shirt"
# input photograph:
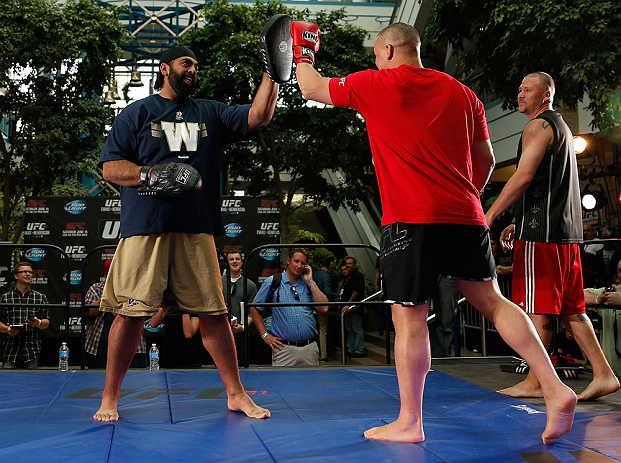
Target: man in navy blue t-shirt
(167, 244)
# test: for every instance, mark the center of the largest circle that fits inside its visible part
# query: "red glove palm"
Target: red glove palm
(305, 37)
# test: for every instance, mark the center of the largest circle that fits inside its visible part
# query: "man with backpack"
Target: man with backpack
(293, 338)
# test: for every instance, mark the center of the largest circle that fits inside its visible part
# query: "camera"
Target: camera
(610, 289)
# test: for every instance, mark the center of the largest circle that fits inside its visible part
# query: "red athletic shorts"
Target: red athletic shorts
(547, 278)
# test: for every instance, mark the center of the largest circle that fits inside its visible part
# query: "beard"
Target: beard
(180, 87)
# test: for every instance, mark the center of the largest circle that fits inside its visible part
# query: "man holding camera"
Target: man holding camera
(294, 330)
(23, 324)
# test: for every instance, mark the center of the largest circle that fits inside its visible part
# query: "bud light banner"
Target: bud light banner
(250, 222)
(77, 225)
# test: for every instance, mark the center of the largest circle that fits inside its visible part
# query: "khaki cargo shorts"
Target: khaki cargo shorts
(145, 266)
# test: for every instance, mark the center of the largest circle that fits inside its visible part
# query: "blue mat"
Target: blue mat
(317, 415)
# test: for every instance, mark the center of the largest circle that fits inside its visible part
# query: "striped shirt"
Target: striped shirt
(291, 323)
(25, 346)
(549, 211)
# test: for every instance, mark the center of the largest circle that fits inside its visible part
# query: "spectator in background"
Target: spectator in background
(444, 305)
(324, 282)
(593, 271)
(341, 282)
(504, 264)
(381, 308)
(611, 320)
(23, 324)
(294, 330)
(611, 255)
(589, 234)
(353, 290)
(339, 290)
(238, 325)
(98, 328)
(182, 346)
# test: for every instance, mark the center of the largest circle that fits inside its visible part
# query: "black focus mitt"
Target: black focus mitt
(169, 180)
(277, 46)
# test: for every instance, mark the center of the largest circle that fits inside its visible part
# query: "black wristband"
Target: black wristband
(144, 174)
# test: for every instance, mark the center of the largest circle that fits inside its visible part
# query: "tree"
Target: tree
(54, 63)
(578, 42)
(301, 140)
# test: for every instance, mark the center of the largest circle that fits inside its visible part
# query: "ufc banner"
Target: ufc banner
(250, 222)
(78, 225)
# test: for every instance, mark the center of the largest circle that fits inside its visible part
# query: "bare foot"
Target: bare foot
(560, 413)
(107, 411)
(523, 389)
(395, 432)
(242, 403)
(599, 388)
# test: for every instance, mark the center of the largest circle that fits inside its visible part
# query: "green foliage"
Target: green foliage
(69, 187)
(54, 63)
(301, 140)
(578, 42)
(298, 235)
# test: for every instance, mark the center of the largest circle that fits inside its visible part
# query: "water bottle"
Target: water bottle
(154, 358)
(63, 357)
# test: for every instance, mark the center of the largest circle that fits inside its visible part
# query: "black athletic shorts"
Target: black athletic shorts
(412, 256)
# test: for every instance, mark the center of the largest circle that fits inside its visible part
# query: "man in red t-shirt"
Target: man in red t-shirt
(432, 157)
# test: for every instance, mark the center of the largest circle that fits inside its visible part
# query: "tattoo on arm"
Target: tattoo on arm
(547, 326)
(545, 125)
(583, 317)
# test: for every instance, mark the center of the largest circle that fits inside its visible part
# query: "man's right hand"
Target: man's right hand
(170, 180)
(507, 236)
(306, 40)
(12, 331)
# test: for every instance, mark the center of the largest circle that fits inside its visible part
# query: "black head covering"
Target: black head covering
(176, 52)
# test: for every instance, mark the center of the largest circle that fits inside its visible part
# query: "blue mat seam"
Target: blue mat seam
(263, 444)
(109, 452)
(55, 397)
(284, 400)
(168, 397)
(373, 386)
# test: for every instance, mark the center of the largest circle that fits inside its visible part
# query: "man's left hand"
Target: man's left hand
(33, 322)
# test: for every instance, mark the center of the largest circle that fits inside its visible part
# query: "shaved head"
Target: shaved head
(546, 81)
(402, 37)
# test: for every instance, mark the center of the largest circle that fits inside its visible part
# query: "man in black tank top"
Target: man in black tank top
(547, 271)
